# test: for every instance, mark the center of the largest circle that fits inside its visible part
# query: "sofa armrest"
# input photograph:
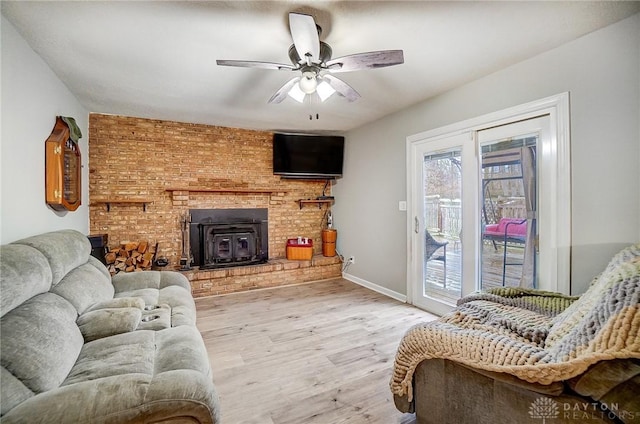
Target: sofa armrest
(553, 389)
(606, 377)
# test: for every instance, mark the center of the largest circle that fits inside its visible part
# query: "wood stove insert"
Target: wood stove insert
(229, 237)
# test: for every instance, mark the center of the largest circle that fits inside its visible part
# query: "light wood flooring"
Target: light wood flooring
(318, 353)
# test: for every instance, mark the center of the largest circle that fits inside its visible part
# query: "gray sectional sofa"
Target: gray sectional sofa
(78, 346)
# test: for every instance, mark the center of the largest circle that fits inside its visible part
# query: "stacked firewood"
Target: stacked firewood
(130, 256)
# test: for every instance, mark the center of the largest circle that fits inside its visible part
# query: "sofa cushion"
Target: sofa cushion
(24, 273)
(160, 288)
(144, 352)
(85, 286)
(121, 302)
(40, 341)
(107, 322)
(138, 376)
(12, 391)
(126, 281)
(64, 249)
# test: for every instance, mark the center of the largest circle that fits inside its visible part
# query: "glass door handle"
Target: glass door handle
(416, 225)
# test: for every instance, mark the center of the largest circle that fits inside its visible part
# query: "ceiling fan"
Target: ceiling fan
(312, 58)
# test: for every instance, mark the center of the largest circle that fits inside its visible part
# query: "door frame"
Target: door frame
(557, 107)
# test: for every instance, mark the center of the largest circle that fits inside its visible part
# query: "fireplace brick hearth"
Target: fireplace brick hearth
(278, 272)
(144, 175)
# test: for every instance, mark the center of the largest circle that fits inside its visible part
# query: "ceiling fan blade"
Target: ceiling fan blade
(255, 64)
(342, 88)
(282, 93)
(370, 60)
(305, 35)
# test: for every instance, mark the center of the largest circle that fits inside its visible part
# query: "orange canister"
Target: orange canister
(329, 237)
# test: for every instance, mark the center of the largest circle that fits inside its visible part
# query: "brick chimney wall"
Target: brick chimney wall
(140, 159)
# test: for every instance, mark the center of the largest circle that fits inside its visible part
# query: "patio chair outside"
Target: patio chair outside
(431, 247)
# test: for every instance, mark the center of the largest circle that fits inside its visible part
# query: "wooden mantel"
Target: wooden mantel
(228, 190)
(180, 195)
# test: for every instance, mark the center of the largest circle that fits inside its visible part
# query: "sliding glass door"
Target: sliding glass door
(509, 212)
(489, 206)
(437, 235)
(519, 205)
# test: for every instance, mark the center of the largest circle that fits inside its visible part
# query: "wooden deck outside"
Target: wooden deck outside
(492, 258)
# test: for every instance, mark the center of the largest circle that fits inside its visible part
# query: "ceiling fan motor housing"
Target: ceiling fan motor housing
(325, 55)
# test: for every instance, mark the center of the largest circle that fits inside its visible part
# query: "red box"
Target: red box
(299, 251)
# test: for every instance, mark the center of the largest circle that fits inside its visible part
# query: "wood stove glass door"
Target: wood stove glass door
(244, 247)
(222, 248)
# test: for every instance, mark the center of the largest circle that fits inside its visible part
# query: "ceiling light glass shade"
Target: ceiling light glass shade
(296, 94)
(308, 82)
(325, 90)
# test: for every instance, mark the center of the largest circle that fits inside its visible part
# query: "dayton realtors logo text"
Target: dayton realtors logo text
(545, 408)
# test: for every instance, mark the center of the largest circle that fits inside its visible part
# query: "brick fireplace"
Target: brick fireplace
(145, 175)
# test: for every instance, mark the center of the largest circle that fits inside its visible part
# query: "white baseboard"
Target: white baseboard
(371, 286)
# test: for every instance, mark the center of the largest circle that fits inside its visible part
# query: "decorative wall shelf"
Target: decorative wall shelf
(229, 190)
(110, 202)
(318, 202)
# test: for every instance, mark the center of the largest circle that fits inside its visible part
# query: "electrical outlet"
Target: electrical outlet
(351, 259)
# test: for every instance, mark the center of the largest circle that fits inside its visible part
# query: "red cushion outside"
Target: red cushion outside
(513, 229)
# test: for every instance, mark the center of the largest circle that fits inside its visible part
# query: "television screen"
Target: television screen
(307, 156)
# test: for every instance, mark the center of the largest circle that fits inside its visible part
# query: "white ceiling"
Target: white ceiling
(157, 59)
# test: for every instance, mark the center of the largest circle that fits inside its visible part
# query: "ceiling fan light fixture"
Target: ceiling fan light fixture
(325, 90)
(312, 58)
(296, 93)
(308, 83)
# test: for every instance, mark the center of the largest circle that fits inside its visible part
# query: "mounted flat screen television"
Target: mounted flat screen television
(308, 156)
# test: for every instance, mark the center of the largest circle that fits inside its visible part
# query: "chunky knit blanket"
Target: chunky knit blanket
(539, 337)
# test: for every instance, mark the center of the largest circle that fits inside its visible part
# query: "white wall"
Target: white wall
(32, 97)
(602, 73)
